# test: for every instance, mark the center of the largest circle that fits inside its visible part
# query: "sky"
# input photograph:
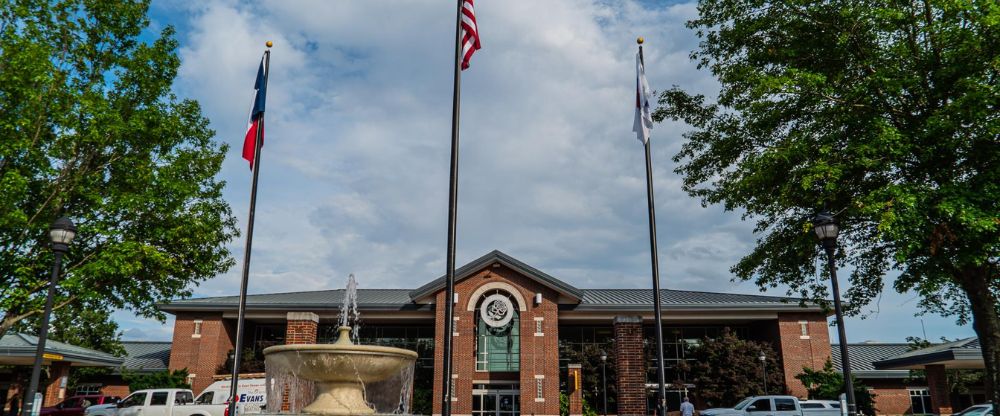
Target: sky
(354, 171)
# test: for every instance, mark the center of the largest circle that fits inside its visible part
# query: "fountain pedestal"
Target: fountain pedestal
(339, 371)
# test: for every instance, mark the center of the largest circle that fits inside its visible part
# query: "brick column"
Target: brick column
(301, 328)
(55, 392)
(574, 385)
(631, 365)
(937, 384)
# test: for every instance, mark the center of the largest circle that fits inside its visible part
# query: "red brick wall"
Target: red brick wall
(201, 356)
(798, 351)
(539, 354)
(120, 390)
(53, 392)
(631, 365)
(301, 328)
(891, 396)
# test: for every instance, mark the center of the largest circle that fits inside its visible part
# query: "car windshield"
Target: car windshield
(743, 404)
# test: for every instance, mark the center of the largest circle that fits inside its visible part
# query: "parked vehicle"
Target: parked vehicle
(772, 406)
(807, 405)
(166, 402)
(976, 410)
(75, 405)
(108, 409)
(252, 391)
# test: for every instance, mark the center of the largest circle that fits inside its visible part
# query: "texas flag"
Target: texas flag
(256, 122)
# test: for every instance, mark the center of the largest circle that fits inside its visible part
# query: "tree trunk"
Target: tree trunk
(986, 322)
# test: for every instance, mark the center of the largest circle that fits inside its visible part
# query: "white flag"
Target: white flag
(643, 116)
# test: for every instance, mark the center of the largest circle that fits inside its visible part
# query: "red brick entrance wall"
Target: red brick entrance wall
(539, 353)
(799, 350)
(201, 354)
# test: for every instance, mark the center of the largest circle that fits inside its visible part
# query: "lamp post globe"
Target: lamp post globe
(61, 234)
(827, 230)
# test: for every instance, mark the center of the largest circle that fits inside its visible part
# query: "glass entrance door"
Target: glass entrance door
(496, 400)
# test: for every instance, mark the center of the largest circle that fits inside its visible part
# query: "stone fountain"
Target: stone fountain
(342, 378)
(340, 371)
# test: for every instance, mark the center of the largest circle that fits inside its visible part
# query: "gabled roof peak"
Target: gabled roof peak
(497, 256)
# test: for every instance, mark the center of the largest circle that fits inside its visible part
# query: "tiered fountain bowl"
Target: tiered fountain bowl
(340, 371)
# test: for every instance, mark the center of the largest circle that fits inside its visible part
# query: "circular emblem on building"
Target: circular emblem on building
(497, 310)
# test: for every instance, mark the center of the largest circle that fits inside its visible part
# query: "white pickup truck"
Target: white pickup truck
(771, 406)
(166, 402)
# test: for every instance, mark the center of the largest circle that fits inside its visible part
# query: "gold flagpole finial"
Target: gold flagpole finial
(269, 44)
(640, 40)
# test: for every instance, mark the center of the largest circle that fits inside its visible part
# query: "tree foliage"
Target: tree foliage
(727, 369)
(166, 379)
(884, 112)
(92, 131)
(827, 384)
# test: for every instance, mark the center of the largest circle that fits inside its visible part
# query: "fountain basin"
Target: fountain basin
(340, 371)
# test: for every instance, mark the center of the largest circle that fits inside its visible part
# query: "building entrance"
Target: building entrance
(496, 400)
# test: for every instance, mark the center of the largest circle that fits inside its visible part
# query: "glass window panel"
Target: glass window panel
(762, 405)
(159, 398)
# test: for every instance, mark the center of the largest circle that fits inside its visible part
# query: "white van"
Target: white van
(252, 393)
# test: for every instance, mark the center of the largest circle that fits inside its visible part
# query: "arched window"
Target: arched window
(498, 333)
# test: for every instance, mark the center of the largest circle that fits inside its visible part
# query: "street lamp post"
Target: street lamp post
(604, 380)
(827, 230)
(763, 367)
(61, 233)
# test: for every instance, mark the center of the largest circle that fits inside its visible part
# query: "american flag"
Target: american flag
(470, 33)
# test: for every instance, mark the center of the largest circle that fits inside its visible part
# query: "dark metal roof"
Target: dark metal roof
(864, 355)
(16, 346)
(497, 256)
(146, 356)
(399, 299)
(625, 299)
(964, 350)
(370, 299)
(580, 299)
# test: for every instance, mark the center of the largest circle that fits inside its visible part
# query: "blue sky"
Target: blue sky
(355, 168)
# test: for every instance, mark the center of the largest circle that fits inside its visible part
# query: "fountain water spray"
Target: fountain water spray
(349, 315)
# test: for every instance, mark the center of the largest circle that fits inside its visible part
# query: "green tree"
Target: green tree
(166, 379)
(92, 131)
(884, 112)
(827, 384)
(727, 369)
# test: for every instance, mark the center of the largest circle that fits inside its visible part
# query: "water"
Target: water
(287, 393)
(349, 315)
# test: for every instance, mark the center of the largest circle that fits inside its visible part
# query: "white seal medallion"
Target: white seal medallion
(497, 310)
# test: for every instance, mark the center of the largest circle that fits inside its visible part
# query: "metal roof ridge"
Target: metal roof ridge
(497, 255)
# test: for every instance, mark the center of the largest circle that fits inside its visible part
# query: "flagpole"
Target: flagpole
(449, 300)
(661, 402)
(240, 316)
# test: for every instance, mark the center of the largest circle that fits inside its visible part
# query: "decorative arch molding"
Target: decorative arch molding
(474, 298)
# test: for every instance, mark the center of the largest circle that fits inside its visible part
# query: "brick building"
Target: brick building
(908, 381)
(516, 332)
